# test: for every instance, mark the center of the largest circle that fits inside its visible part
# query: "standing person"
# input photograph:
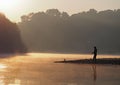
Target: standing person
(95, 54)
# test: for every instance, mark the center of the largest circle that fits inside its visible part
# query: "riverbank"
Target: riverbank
(113, 61)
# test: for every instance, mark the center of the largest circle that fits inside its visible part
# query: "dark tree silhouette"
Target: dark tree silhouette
(55, 31)
(10, 39)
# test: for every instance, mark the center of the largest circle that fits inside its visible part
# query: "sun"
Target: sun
(8, 5)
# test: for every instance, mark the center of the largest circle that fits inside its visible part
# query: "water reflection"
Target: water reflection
(2, 67)
(9, 75)
(42, 71)
(94, 73)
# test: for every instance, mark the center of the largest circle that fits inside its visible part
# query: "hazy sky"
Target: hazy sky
(13, 9)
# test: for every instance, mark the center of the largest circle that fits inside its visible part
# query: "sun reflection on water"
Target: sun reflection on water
(3, 67)
(8, 75)
(17, 82)
(40, 69)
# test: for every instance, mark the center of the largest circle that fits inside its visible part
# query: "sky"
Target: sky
(14, 9)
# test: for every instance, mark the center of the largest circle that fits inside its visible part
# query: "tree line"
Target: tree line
(10, 37)
(55, 31)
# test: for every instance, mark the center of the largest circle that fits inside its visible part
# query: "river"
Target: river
(40, 69)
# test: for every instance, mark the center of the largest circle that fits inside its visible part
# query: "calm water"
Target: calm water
(39, 69)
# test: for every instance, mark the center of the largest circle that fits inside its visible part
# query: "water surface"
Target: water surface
(40, 69)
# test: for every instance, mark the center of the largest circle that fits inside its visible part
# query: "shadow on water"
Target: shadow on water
(6, 55)
(2, 56)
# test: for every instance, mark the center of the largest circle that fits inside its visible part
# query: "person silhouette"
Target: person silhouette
(95, 54)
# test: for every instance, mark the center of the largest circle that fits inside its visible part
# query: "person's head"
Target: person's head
(94, 46)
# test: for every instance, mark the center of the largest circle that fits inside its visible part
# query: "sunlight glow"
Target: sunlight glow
(8, 5)
(14, 9)
(2, 68)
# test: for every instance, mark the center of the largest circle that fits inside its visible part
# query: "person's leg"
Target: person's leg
(94, 58)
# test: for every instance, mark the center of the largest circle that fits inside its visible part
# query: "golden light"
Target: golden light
(2, 67)
(8, 5)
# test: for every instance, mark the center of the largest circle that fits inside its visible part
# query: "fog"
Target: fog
(55, 31)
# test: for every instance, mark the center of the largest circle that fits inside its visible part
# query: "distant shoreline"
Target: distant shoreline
(111, 61)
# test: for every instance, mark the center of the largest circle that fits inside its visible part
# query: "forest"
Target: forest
(10, 37)
(55, 31)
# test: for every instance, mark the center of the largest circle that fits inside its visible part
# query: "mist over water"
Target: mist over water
(40, 69)
(55, 32)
